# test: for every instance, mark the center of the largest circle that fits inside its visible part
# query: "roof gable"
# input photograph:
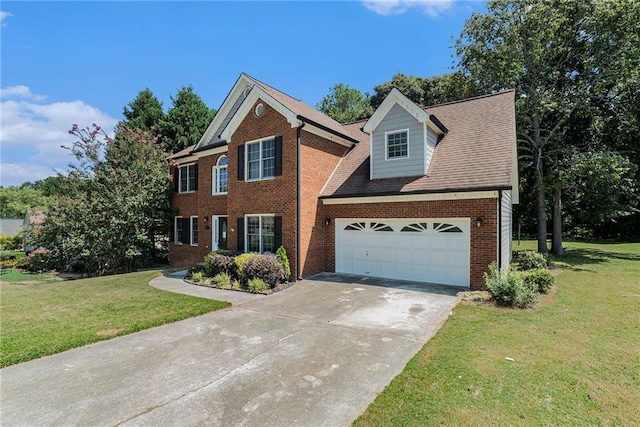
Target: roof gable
(395, 97)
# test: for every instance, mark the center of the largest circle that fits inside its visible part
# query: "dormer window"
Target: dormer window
(397, 144)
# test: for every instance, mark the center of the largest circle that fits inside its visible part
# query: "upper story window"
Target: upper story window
(261, 159)
(220, 176)
(397, 144)
(186, 178)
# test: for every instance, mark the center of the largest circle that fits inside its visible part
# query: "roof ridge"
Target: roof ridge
(471, 99)
(274, 88)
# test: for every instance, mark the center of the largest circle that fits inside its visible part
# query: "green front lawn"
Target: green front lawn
(45, 318)
(576, 358)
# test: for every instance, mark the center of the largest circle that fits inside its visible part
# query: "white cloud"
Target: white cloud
(18, 173)
(4, 15)
(31, 134)
(20, 91)
(432, 8)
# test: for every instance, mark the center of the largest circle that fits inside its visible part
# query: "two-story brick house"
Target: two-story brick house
(411, 193)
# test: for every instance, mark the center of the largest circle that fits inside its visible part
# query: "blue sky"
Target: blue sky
(82, 62)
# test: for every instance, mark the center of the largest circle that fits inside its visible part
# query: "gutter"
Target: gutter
(326, 129)
(298, 197)
(410, 193)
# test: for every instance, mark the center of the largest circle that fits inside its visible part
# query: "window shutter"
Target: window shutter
(195, 187)
(186, 230)
(176, 179)
(172, 231)
(278, 232)
(240, 231)
(241, 163)
(278, 156)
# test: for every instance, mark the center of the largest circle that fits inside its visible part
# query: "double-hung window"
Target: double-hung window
(261, 159)
(188, 178)
(194, 231)
(220, 176)
(261, 233)
(397, 144)
(186, 230)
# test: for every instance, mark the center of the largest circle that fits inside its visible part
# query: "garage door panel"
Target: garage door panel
(427, 250)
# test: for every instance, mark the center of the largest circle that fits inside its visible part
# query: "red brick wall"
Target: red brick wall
(318, 158)
(272, 196)
(201, 203)
(483, 240)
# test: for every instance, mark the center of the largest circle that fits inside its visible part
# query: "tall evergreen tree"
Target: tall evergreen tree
(144, 112)
(186, 120)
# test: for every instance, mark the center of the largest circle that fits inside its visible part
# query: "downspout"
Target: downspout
(499, 229)
(298, 142)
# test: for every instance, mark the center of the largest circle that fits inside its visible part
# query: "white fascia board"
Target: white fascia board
(412, 198)
(326, 135)
(245, 108)
(236, 91)
(395, 97)
(371, 155)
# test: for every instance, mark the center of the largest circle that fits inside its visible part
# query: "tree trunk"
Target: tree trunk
(541, 215)
(556, 239)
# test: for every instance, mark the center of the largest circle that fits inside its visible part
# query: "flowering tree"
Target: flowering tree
(115, 214)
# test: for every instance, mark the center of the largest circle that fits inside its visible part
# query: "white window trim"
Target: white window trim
(215, 177)
(386, 145)
(246, 159)
(180, 169)
(191, 230)
(175, 230)
(246, 230)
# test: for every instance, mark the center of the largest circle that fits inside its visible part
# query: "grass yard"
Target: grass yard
(12, 275)
(576, 356)
(39, 319)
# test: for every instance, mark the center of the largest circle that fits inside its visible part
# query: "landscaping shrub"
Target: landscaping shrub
(197, 276)
(8, 263)
(215, 263)
(196, 268)
(240, 262)
(265, 267)
(258, 285)
(508, 288)
(530, 260)
(281, 253)
(41, 260)
(222, 280)
(540, 279)
(10, 242)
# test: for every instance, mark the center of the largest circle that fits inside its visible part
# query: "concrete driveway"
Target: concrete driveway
(313, 355)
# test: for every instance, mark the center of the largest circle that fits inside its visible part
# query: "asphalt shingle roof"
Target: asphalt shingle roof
(474, 154)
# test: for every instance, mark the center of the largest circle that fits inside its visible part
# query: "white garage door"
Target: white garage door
(426, 250)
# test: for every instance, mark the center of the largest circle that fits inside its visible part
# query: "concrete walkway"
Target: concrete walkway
(313, 355)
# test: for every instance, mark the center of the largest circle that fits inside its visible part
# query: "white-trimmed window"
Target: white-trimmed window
(260, 233)
(397, 144)
(220, 176)
(188, 178)
(261, 159)
(194, 231)
(178, 230)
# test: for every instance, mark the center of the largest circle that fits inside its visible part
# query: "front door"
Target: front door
(219, 233)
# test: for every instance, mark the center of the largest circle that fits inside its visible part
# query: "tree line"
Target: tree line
(575, 67)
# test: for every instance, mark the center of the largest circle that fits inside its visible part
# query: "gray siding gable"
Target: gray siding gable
(215, 139)
(398, 119)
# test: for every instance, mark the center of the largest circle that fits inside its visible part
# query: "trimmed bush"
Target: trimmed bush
(215, 263)
(509, 288)
(222, 279)
(240, 262)
(281, 253)
(257, 285)
(196, 268)
(530, 260)
(265, 267)
(540, 279)
(10, 242)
